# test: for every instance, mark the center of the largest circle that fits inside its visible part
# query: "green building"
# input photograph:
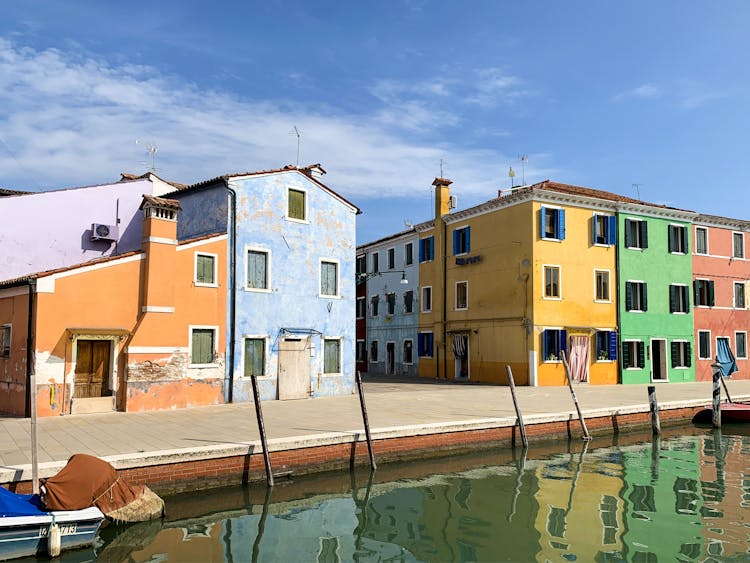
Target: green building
(655, 272)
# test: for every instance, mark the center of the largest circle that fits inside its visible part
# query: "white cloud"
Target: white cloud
(68, 120)
(644, 91)
(494, 87)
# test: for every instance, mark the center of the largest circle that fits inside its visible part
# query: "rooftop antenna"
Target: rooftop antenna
(299, 135)
(637, 190)
(441, 167)
(151, 150)
(524, 158)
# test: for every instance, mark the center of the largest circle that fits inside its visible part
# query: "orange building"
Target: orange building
(138, 331)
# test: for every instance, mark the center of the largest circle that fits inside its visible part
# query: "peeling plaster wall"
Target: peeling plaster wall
(48, 230)
(295, 252)
(203, 212)
(14, 307)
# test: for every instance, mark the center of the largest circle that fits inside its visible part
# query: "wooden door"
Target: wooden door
(294, 368)
(92, 369)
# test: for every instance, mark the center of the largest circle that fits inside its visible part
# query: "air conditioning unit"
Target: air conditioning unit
(100, 231)
(452, 202)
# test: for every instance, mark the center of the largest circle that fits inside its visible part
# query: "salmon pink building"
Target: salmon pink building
(721, 291)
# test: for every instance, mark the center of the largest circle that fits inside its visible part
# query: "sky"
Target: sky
(645, 99)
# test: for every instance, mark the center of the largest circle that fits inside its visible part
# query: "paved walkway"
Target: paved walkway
(396, 408)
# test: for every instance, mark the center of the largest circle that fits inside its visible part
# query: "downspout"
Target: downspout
(229, 371)
(445, 298)
(31, 386)
(618, 327)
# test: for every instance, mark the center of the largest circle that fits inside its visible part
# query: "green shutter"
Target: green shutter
(672, 299)
(204, 269)
(645, 296)
(628, 296)
(297, 204)
(675, 349)
(688, 355)
(644, 234)
(641, 355)
(331, 363)
(711, 293)
(671, 238)
(625, 353)
(255, 357)
(628, 233)
(202, 346)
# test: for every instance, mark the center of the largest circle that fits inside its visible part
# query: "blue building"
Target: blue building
(291, 290)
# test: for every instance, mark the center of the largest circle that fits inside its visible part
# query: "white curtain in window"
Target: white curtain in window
(579, 358)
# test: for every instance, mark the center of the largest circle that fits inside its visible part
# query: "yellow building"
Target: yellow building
(517, 281)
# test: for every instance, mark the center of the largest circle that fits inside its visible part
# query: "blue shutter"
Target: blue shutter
(542, 221)
(612, 345)
(429, 344)
(432, 249)
(468, 240)
(545, 345)
(595, 230)
(420, 344)
(456, 250)
(561, 224)
(421, 250)
(563, 343)
(612, 234)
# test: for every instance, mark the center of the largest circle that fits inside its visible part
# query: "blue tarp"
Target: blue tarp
(12, 504)
(725, 358)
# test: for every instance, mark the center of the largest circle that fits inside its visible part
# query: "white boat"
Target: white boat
(25, 526)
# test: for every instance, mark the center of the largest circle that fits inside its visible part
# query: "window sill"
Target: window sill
(301, 221)
(553, 239)
(635, 248)
(321, 296)
(679, 313)
(203, 366)
(635, 311)
(603, 301)
(679, 253)
(552, 298)
(634, 369)
(605, 361)
(603, 244)
(552, 362)
(200, 284)
(333, 375)
(256, 290)
(427, 310)
(461, 309)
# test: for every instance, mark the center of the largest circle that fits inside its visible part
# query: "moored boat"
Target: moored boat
(730, 412)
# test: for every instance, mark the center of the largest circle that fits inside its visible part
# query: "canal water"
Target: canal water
(682, 497)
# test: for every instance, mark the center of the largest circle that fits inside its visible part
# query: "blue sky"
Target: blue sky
(600, 94)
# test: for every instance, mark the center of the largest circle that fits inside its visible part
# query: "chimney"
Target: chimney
(442, 197)
(159, 244)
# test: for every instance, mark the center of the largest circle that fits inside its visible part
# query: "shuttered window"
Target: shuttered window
(408, 352)
(738, 245)
(677, 239)
(461, 240)
(255, 356)
(374, 351)
(678, 299)
(703, 291)
(552, 223)
(636, 296)
(426, 249)
(332, 355)
(205, 268)
(329, 279)
(606, 345)
(408, 254)
(739, 295)
(553, 344)
(390, 303)
(604, 229)
(633, 354)
(374, 302)
(5, 334)
(425, 344)
(409, 301)
(704, 345)
(636, 234)
(297, 205)
(202, 346)
(681, 355)
(257, 269)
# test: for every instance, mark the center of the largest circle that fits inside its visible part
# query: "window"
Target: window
(202, 345)
(633, 354)
(361, 351)
(677, 239)
(426, 249)
(552, 282)
(5, 334)
(601, 279)
(552, 223)
(426, 299)
(409, 301)
(636, 298)
(605, 227)
(331, 355)
(375, 262)
(205, 269)
(408, 254)
(257, 269)
(678, 299)
(374, 351)
(738, 245)
(424, 344)
(461, 241)
(329, 279)
(739, 295)
(255, 357)
(390, 303)
(391, 258)
(740, 345)
(296, 205)
(374, 301)
(361, 307)
(681, 354)
(608, 511)
(408, 352)
(606, 345)
(636, 234)
(701, 240)
(462, 295)
(362, 264)
(703, 291)
(704, 345)
(553, 344)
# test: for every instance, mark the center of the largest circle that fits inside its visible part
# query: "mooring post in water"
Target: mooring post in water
(262, 431)
(654, 410)
(521, 425)
(716, 414)
(586, 435)
(366, 420)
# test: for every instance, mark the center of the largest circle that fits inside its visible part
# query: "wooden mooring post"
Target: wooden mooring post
(262, 431)
(654, 410)
(716, 412)
(366, 420)
(586, 435)
(519, 416)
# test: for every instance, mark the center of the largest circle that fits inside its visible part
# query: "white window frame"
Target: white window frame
(695, 243)
(684, 230)
(641, 304)
(403, 348)
(340, 340)
(433, 343)
(375, 255)
(413, 302)
(708, 332)
(737, 348)
(369, 352)
(635, 343)
(216, 269)
(544, 227)
(734, 295)
(356, 348)
(357, 308)
(388, 256)
(431, 238)
(411, 244)
(267, 252)
(559, 282)
(337, 295)
(744, 255)
(306, 220)
(627, 221)
(422, 300)
(266, 362)
(455, 289)
(9, 343)
(669, 364)
(215, 328)
(687, 297)
(609, 285)
(696, 294)
(606, 228)
(468, 230)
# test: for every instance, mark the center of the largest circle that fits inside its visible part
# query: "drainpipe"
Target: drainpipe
(229, 371)
(445, 298)
(31, 385)
(618, 327)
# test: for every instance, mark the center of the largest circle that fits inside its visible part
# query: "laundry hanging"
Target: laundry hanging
(459, 345)
(725, 358)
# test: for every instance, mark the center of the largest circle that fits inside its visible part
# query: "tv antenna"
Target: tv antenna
(638, 190)
(151, 150)
(441, 167)
(298, 133)
(524, 158)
